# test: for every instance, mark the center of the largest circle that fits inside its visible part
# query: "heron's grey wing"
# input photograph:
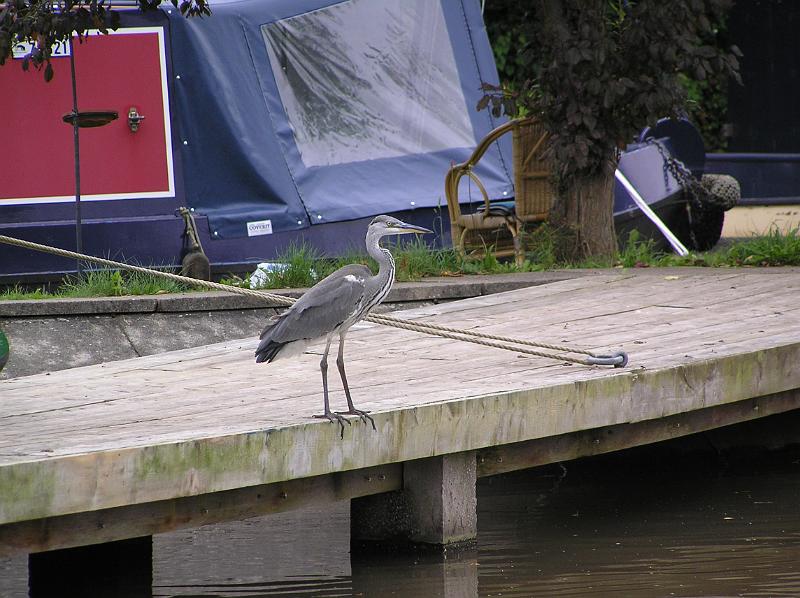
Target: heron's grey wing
(322, 308)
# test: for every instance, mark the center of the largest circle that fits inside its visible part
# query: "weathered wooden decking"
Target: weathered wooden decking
(205, 420)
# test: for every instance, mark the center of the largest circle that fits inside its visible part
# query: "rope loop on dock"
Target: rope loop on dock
(616, 359)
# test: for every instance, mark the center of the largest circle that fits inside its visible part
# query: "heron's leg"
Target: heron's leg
(351, 410)
(328, 414)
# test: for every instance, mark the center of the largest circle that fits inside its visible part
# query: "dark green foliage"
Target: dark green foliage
(707, 108)
(508, 26)
(44, 23)
(4, 350)
(598, 71)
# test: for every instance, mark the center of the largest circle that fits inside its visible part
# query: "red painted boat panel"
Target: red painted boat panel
(113, 72)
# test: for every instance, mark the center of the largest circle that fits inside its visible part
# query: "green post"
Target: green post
(4, 350)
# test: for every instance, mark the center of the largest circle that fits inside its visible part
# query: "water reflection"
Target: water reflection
(634, 524)
(302, 553)
(637, 524)
(612, 527)
(14, 576)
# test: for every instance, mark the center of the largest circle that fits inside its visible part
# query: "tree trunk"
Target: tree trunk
(585, 211)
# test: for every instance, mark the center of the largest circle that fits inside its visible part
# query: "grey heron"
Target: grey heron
(331, 307)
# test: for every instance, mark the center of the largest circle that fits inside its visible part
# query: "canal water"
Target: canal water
(656, 521)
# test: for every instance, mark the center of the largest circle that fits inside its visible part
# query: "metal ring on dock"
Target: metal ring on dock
(619, 359)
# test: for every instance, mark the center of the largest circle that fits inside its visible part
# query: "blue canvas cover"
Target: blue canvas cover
(303, 112)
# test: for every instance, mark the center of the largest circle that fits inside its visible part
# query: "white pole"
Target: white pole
(679, 248)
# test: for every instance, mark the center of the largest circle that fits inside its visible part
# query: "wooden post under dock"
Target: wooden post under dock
(133, 448)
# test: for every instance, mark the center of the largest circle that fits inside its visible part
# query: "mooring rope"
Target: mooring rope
(617, 359)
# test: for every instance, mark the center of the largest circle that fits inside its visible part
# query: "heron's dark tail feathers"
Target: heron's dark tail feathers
(268, 350)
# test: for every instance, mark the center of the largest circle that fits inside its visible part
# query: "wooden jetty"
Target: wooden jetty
(136, 447)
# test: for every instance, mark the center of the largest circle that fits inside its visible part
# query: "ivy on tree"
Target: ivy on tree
(596, 72)
(44, 23)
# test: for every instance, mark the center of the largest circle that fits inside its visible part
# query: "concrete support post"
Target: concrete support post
(437, 505)
(122, 569)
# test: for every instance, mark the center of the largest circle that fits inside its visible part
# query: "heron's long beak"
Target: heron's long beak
(405, 229)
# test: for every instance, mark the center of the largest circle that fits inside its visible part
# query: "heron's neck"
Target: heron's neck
(382, 256)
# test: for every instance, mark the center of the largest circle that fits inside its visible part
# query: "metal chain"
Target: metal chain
(617, 359)
(690, 187)
(676, 168)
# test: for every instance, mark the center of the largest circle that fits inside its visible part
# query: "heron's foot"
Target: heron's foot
(362, 415)
(335, 417)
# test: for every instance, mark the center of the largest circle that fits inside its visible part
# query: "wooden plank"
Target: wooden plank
(221, 458)
(199, 410)
(209, 419)
(534, 453)
(108, 525)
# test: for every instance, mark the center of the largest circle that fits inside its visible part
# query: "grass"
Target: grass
(99, 283)
(17, 293)
(113, 283)
(303, 266)
(774, 248)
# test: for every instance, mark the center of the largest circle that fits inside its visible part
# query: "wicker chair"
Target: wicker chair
(495, 222)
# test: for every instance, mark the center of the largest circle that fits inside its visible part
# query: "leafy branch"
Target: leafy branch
(597, 72)
(43, 24)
